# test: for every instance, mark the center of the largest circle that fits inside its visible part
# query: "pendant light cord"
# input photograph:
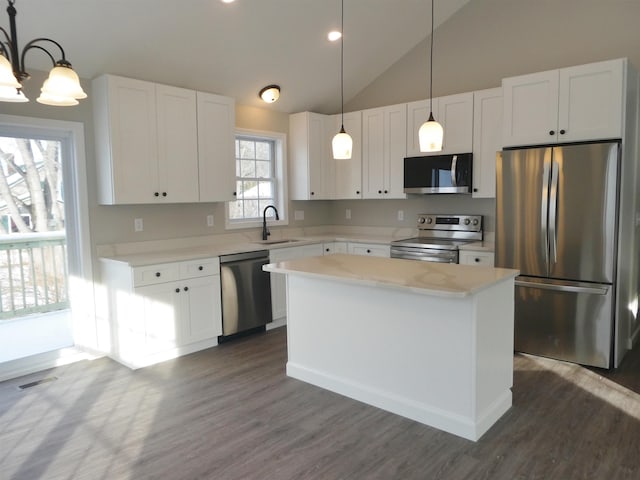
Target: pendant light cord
(431, 67)
(342, 66)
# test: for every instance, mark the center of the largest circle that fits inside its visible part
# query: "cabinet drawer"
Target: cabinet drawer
(199, 268)
(152, 274)
(375, 250)
(476, 258)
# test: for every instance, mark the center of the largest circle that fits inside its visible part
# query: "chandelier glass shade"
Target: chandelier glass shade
(61, 88)
(342, 143)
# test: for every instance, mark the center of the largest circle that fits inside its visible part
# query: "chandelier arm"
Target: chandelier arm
(7, 38)
(33, 44)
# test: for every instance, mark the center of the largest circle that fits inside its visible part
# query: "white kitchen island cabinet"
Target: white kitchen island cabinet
(432, 342)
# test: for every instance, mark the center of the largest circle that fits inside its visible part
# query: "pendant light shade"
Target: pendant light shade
(342, 143)
(431, 133)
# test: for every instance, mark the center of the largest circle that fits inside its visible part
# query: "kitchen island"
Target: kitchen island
(432, 342)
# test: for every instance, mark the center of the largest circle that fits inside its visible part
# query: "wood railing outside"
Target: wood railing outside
(33, 274)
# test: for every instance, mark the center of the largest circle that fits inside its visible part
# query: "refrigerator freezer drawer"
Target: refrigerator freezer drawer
(566, 321)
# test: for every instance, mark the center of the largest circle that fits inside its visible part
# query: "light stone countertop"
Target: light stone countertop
(484, 246)
(428, 278)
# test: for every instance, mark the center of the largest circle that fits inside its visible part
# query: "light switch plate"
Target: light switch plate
(400, 215)
(138, 226)
(209, 220)
(347, 214)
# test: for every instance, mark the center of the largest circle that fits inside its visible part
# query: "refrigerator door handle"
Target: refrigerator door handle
(454, 174)
(553, 211)
(544, 219)
(595, 290)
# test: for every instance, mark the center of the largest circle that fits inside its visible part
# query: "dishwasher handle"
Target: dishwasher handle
(238, 257)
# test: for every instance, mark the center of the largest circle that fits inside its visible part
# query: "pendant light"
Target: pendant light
(431, 132)
(342, 144)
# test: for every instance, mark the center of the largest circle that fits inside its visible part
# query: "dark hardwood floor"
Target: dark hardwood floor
(231, 413)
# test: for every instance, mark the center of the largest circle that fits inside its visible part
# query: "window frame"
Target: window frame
(280, 175)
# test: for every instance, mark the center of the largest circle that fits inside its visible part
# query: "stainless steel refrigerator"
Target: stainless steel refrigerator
(557, 222)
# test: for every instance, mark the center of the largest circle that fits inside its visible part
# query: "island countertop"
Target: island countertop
(440, 279)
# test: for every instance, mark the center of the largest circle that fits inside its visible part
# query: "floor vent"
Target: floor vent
(37, 382)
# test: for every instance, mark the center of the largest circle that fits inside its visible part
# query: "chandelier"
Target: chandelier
(61, 88)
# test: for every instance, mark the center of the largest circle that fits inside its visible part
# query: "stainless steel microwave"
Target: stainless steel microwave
(438, 174)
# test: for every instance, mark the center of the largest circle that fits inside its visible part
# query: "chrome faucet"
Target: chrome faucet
(265, 230)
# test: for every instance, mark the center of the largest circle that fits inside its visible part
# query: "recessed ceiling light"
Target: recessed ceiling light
(334, 35)
(228, 1)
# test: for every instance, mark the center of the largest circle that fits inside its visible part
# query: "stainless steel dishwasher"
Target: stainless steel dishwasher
(246, 292)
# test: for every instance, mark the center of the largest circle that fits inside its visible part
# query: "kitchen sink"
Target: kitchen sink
(274, 242)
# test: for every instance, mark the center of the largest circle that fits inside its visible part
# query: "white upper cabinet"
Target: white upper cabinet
(126, 140)
(216, 147)
(147, 143)
(348, 173)
(487, 140)
(177, 145)
(384, 133)
(309, 149)
(453, 112)
(567, 105)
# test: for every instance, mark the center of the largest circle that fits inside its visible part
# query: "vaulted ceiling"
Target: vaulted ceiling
(233, 49)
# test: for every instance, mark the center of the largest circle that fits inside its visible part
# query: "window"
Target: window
(259, 179)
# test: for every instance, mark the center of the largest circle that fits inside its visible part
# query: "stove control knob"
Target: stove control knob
(421, 220)
(467, 221)
(429, 220)
(475, 221)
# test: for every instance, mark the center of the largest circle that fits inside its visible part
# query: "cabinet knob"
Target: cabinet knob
(379, 191)
(177, 290)
(562, 132)
(552, 132)
(235, 194)
(157, 274)
(200, 268)
(477, 259)
(164, 194)
(156, 194)
(368, 251)
(386, 191)
(327, 249)
(186, 289)
(475, 189)
(357, 192)
(313, 193)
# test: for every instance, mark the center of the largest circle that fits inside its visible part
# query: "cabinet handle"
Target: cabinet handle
(157, 274)
(552, 132)
(177, 290)
(186, 289)
(156, 194)
(164, 194)
(562, 132)
(200, 268)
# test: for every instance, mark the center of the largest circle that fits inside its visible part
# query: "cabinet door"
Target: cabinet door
(417, 114)
(309, 150)
(334, 247)
(591, 101)
(384, 133)
(319, 188)
(177, 144)
(161, 312)
(373, 164)
(455, 114)
(125, 117)
(530, 109)
(487, 140)
(395, 150)
(348, 173)
(216, 147)
(201, 309)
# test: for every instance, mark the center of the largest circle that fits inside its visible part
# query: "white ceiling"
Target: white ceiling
(233, 49)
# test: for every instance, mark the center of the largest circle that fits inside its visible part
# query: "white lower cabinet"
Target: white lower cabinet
(471, 257)
(162, 311)
(372, 249)
(278, 281)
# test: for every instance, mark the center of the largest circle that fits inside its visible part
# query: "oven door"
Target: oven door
(425, 254)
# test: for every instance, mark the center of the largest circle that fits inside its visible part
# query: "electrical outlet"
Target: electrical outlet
(400, 215)
(138, 225)
(347, 214)
(298, 214)
(209, 220)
